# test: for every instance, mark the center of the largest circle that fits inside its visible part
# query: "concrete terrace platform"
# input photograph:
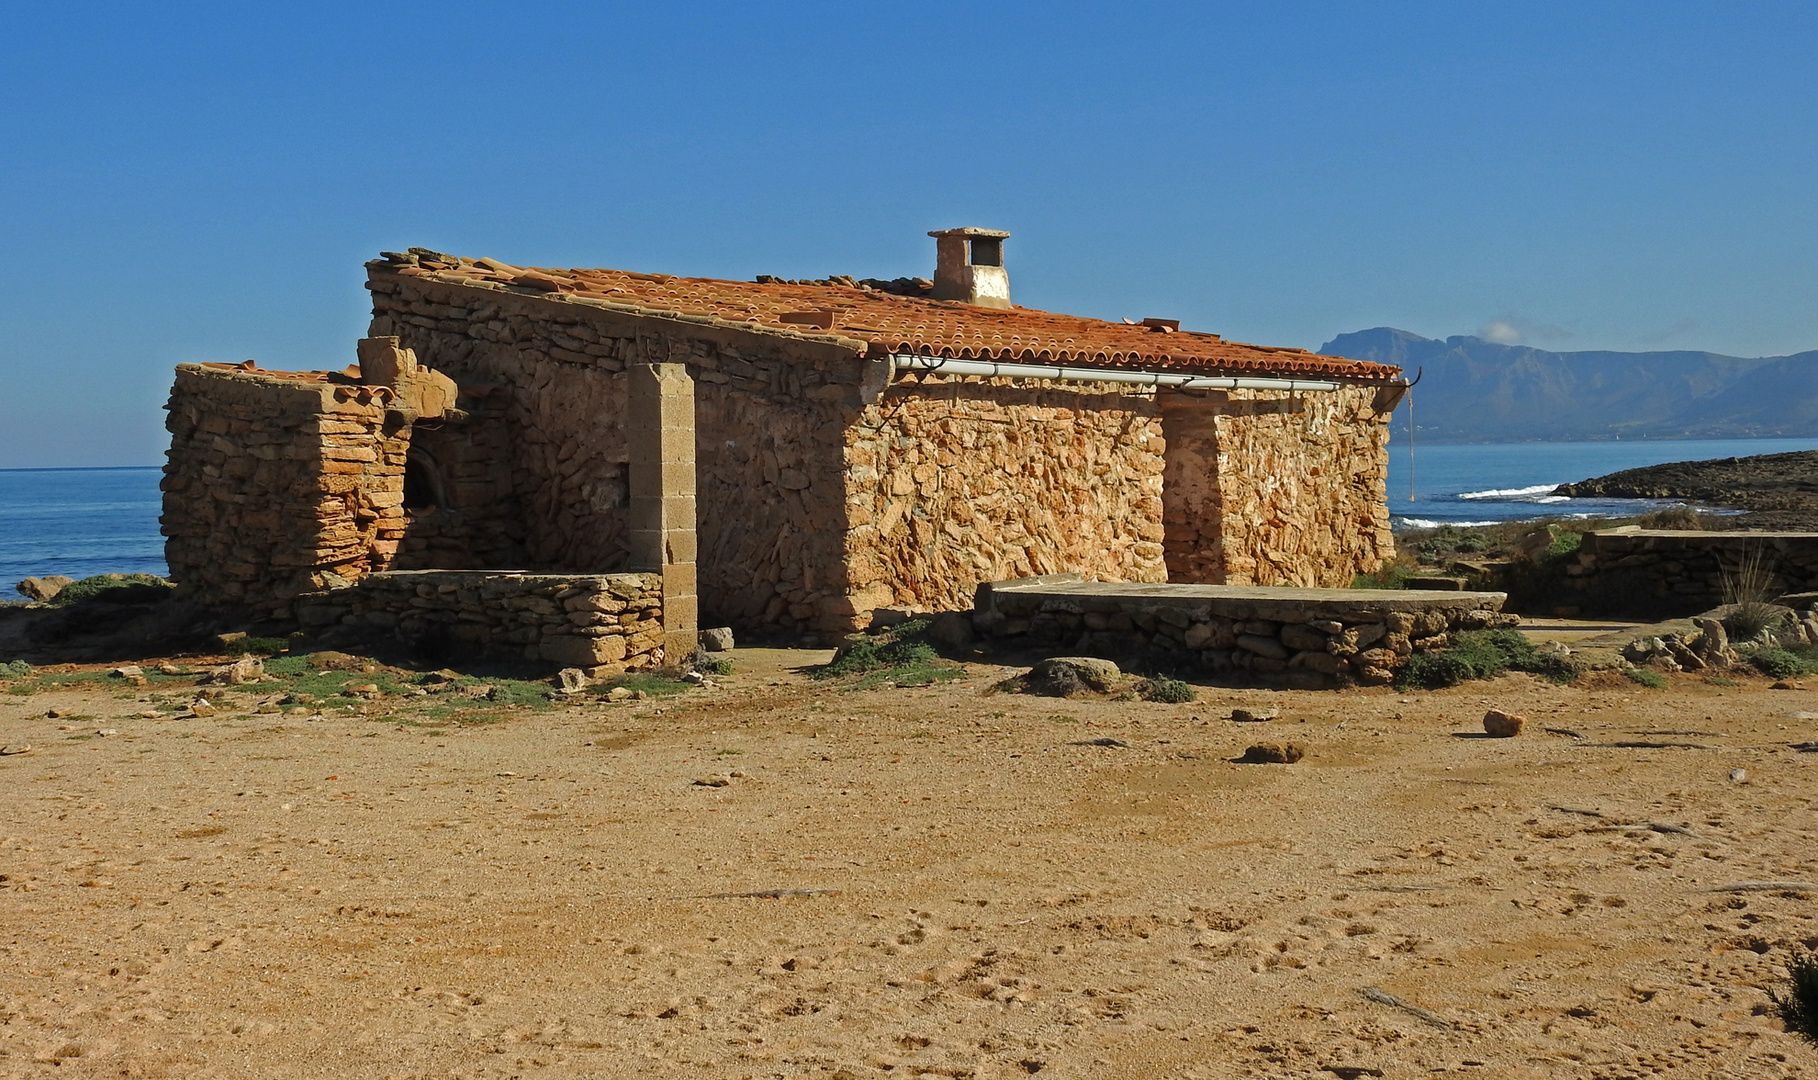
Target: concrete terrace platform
(1277, 603)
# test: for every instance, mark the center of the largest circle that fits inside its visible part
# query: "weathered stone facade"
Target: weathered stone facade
(605, 623)
(277, 485)
(824, 482)
(1276, 489)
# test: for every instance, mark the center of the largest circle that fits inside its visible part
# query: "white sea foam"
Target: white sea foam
(1526, 494)
(1428, 523)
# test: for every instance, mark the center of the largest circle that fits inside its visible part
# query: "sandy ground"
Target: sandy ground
(968, 890)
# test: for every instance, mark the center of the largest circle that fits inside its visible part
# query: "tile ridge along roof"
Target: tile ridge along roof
(873, 320)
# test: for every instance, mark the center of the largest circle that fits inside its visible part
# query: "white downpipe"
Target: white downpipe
(945, 366)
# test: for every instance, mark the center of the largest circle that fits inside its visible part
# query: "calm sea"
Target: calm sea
(79, 522)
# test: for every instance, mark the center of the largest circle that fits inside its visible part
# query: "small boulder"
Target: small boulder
(329, 660)
(1064, 676)
(951, 632)
(364, 689)
(201, 708)
(884, 618)
(1502, 725)
(1258, 715)
(1274, 754)
(573, 680)
(620, 693)
(44, 589)
(247, 669)
(717, 639)
(436, 678)
(716, 780)
(128, 671)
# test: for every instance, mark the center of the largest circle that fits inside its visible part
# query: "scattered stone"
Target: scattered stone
(44, 589)
(127, 671)
(884, 618)
(717, 639)
(440, 678)
(694, 678)
(951, 632)
(330, 660)
(619, 693)
(1260, 714)
(15, 748)
(1502, 725)
(1737, 776)
(107, 731)
(1100, 675)
(201, 708)
(56, 714)
(1785, 684)
(716, 780)
(573, 680)
(1274, 754)
(247, 669)
(364, 689)
(1058, 680)
(168, 668)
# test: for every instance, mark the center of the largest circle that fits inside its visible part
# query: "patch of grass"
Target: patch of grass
(1653, 680)
(1164, 689)
(1718, 680)
(1482, 654)
(288, 666)
(15, 669)
(650, 683)
(1392, 575)
(1798, 1008)
(127, 588)
(709, 664)
(910, 675)
(264, 646)
(900, 656)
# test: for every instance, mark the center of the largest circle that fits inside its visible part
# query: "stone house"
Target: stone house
(794, 453)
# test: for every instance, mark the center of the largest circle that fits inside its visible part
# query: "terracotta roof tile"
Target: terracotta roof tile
(884, 322)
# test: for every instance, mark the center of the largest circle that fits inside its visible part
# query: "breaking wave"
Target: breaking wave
(1537, 493)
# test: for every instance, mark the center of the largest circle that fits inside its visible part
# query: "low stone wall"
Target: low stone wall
(1660, 569)
(606, 623)
(1302, 638)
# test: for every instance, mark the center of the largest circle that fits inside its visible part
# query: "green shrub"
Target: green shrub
(1162, 688)
(1781, 663)
(1482, 654)
(867, 654)
(137, 588)
(1799, 1007)
(1390, 576)
(264, 646)
(1750, 618)
(1653, 680)
(16, 669)
(709, 664)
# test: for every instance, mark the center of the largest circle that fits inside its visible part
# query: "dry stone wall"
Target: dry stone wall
(1304, 638)
(1267, 488)
(605, 623)
(1648, 571)
(275, 485)
(951, 483)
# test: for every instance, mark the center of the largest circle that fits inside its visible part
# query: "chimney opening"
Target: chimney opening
(986, 251)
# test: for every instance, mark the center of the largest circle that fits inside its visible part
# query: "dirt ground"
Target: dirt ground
(942, 881)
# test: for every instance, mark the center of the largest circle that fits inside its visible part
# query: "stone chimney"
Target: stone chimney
(969, 266)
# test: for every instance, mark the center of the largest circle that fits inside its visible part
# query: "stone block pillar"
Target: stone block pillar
(659, 427)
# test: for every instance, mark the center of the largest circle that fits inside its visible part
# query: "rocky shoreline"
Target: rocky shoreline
(1774, 491)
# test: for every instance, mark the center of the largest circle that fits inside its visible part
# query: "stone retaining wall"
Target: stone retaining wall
(606, 623)
(1658, 569)
(1308, 638)
(276, 485)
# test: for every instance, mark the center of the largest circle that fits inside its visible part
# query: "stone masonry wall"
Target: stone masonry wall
(1267, 488)
(276, 485)
(605, 623)
(1650, 571)
(950, 483)
(770, 416)
(1327, 638)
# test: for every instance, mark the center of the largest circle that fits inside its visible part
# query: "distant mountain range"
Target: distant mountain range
(1478, 391)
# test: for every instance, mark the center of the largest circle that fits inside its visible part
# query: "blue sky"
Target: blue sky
(187, 182)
